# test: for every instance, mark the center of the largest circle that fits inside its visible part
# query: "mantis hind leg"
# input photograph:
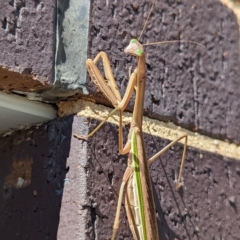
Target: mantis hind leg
(153, 158)
(126, 176)
(97, 128)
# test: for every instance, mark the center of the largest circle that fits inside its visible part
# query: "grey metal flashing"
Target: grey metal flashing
(71, 44)
(72, 27)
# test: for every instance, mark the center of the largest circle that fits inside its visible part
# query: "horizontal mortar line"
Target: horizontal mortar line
(153, 127)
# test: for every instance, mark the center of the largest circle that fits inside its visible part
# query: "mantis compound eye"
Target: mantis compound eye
(139, 52)
(133, 41)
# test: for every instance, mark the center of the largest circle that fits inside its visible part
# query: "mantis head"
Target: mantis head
(134, 48)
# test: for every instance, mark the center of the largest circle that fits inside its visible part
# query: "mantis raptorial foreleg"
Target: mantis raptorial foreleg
(109, 86)
(92, 69)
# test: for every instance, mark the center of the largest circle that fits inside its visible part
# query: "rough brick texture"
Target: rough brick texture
(57, 187)
(195, 88)
(27, 42)
(205, 208)
(33, 169)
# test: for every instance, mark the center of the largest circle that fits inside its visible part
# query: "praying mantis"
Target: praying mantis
(139, 201)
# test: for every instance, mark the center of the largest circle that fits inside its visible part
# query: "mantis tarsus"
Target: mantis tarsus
(139, 202)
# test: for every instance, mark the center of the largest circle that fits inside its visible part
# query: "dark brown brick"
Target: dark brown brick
(192, 87)
(27, 38)
(57, 187)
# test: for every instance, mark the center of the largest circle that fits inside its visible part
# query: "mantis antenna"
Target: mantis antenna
(145, 24)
